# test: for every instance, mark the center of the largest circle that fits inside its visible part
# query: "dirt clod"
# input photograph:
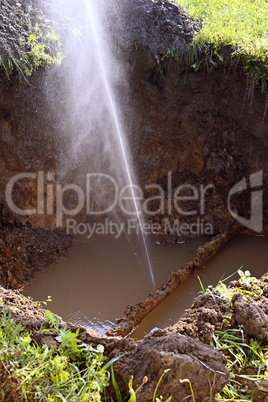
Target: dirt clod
(251, 316)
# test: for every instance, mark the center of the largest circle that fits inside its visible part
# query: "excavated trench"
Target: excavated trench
(206, 130)
(91, 286)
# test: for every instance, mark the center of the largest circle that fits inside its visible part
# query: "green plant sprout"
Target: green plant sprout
(242, 353)
(44, 51)
(133, 393)
(185, 380)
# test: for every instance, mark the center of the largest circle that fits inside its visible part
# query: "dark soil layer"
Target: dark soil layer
(25, 251)
(206, 129)
(154, 26)
(16, 19)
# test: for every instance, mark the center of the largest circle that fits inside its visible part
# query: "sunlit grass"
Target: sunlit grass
(240, 24)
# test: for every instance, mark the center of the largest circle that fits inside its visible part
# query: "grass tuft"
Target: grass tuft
(247, 358)
(238, 25)
(44, 51)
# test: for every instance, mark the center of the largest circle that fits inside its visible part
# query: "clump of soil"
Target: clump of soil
(211, 311)
(154, 25)
(8, 385)
(25, 250)
(182, 355)
(245, 307)
(184, 348)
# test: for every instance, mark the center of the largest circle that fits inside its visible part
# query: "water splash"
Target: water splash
(94, 74)
(118, 130)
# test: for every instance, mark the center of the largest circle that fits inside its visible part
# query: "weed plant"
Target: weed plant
(44, 50)
(243, 354)
(70, 371)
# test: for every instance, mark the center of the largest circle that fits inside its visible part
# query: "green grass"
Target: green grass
(244, 354)
(241, 355)
(69, 371)
(72, 371)
(239, 24)
(44, 51)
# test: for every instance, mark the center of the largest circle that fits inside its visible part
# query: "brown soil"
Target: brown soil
(184, 348)
(8, 385)
(209, 313)
(183, 355)
(25, 250)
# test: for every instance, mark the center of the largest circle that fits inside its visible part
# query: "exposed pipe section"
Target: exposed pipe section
(134, 314)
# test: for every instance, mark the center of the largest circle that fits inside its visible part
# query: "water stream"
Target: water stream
(92, 118)
(118, 131)
(93, 285)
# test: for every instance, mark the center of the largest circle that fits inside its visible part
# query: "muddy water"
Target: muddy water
(102, 275)
(248, 252)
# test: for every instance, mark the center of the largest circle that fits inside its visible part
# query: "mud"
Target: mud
(184, 356)
(183, 348)
(133, 315)
(25, 250)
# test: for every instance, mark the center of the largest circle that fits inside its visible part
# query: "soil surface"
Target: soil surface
(184, 348)
(25, 250)
(206, 129)
(210, 311)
